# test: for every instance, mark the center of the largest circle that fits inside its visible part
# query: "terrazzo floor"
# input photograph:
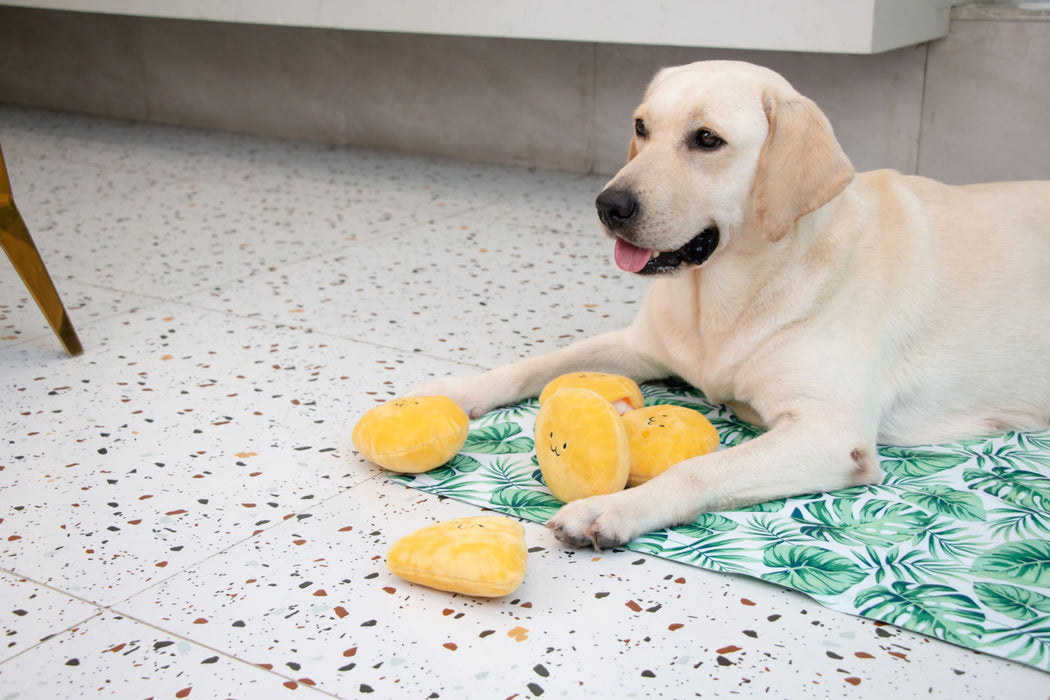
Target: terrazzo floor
(182, 513)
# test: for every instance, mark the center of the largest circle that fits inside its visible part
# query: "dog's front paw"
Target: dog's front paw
(602, 522)
(463, 390)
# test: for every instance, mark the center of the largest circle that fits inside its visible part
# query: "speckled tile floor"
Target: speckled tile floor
(182, 515)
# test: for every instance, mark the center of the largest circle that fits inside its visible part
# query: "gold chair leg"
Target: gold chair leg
(19, 246)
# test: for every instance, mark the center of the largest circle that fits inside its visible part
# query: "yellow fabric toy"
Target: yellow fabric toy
(483, 556)
(612, 387)
(660, 436)
(412, 435)
(581, 445)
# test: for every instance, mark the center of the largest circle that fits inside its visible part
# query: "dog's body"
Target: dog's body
(837, 310)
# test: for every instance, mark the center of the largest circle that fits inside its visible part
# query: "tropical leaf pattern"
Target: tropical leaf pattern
(954, 543)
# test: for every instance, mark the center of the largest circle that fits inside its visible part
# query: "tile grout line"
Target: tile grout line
(114, 608)
(102, 610)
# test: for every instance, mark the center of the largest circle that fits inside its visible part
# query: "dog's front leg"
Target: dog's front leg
(614, 352)
(795, 457)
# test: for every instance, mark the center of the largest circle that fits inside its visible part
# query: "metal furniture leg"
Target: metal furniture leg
(19, 246)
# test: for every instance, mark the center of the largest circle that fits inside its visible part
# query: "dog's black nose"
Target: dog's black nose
(616, 207)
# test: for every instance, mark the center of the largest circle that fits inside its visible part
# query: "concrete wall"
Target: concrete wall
(967, 108)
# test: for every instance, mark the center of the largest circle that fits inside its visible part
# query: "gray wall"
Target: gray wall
(967, 108)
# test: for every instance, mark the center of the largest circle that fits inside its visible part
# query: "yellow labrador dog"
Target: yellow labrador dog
(837, 309)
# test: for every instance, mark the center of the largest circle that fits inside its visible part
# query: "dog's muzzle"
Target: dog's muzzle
(617, 209)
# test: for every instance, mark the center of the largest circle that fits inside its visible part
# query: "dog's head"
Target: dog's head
(720, 149)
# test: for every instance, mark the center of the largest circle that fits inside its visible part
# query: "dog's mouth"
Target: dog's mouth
(632, 258)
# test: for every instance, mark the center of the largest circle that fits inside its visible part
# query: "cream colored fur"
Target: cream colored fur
(839, 310)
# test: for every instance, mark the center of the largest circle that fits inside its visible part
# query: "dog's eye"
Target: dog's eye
(707, 141)
(639, 127)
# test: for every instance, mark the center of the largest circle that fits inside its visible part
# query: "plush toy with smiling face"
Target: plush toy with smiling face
(581, 445)
(412, 435)
(662, 436)
(483, 556)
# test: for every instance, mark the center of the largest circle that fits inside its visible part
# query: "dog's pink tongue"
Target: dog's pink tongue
(630, 257)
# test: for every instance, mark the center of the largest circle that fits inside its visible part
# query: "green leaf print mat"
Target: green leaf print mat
(954, 544)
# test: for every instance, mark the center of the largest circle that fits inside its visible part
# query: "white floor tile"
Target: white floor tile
(176, 434)
(21, 319)
(474, 293)
(110, 656)
(35, 613)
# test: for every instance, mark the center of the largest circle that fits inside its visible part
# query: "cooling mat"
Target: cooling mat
(954, 543)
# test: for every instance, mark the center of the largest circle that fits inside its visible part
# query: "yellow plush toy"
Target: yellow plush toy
(483, 556)
(581, 445)
(580, 435)
(584, 448)
(412, 435)
(660, 436)
(618, 390)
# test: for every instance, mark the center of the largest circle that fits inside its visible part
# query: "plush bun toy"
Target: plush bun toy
(482, 556)
(614, 388)
(660, 436)
(581, 445)
(412, 435)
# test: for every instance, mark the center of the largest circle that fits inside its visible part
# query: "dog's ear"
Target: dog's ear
(802, 167)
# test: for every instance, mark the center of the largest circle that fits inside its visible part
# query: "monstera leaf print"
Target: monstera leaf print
(1013, 601)
(1021, 562)
(651, 542)
(1038, 443)
(943, 500)
(531, 505)
(460, 463)
(853, 521)
(706, 525)
(1015, 486)
(498, 439)
(707, 542)
(765, 507)
(902, 563)
(1007, 452)
(767, 531)
(454, 469)
(947, 539)
(1028, 643)
(1020, 522)
(1029, 640)
(812, 570)
(929, 608)
(1025, 496)
(507, 472)
(462, 486)
(901, 463)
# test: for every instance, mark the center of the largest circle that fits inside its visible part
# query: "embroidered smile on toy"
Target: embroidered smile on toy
(662, 436)
(581, 445)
